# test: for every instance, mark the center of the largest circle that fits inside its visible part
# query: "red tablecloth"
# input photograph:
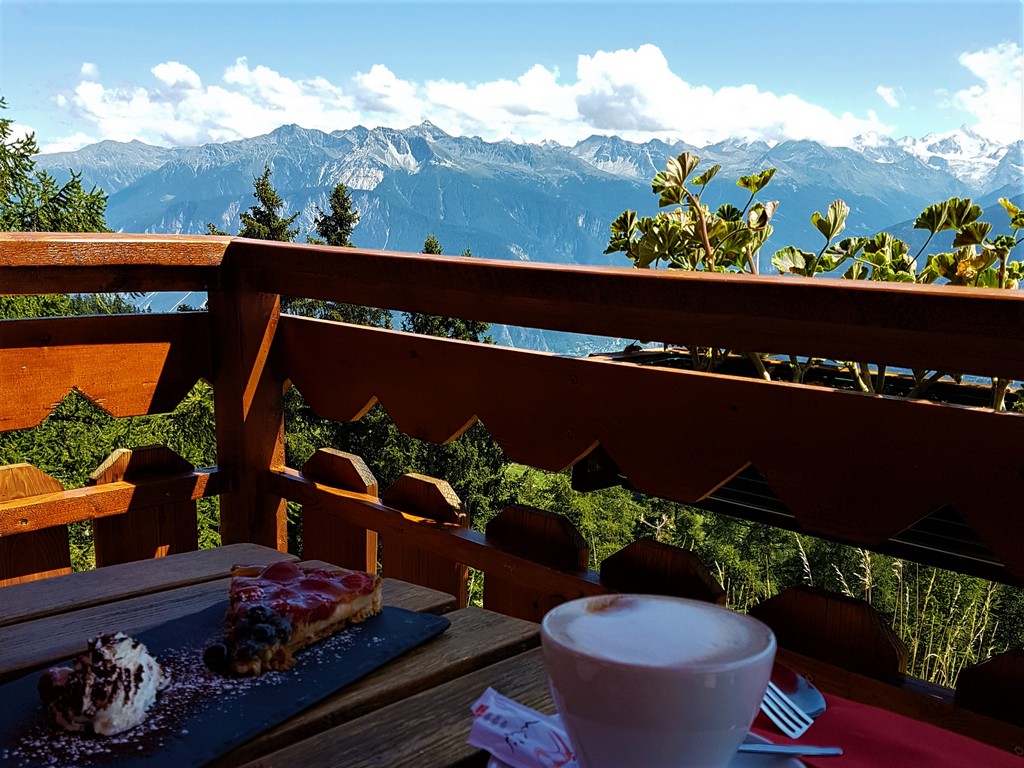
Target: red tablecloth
(873, 738)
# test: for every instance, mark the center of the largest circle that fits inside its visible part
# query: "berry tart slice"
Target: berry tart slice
(277, 610)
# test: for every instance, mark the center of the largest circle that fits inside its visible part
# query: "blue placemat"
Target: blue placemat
(203, 715)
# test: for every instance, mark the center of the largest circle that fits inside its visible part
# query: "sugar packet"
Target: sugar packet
(519, 736)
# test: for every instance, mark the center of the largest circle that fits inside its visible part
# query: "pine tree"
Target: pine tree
(34, 201)
(335, 228)
(264, 221)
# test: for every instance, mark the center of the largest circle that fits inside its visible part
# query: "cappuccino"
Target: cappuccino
(653, 632)
(655, 681)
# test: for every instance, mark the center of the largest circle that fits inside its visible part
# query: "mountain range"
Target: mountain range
(533, 202)
(538, 202)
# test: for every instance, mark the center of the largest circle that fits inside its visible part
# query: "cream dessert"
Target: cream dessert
(109, 689)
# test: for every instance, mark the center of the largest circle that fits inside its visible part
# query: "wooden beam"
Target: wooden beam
(449, 540)
(33, 555)
(140, 534)
(63, 507)
(249, 407)
(127, 364)
(325, 536)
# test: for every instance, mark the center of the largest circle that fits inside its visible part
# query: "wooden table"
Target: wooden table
(414, 711)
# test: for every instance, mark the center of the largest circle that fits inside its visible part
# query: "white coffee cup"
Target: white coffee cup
(653, 681)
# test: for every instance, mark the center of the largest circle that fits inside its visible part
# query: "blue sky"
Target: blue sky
(186, 73)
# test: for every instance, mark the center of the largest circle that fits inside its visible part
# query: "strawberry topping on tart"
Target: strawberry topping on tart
(277, 610)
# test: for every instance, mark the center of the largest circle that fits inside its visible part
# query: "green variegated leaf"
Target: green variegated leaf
(708, 175)
(758, 237)
(961, 212)
(761, 213)
(792, 260)
(899, 251)
(625, 224)
(717, 229)
(834, 220)
(1015, 213)
(987, 279)
(972, 234)
(846, 248)
(756, 182)
(827, 262)
(677, 171)
(672, 195)
(934, 218)
(729, 212)
(856, 271)
(623, 230)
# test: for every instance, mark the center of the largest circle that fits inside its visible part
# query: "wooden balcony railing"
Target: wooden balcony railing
(672, 433)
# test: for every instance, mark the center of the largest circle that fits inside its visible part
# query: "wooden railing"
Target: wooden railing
(677, 434)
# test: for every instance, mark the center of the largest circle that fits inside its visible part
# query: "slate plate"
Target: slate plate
(202, 715)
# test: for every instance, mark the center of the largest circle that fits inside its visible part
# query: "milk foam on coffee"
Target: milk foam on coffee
(655, 632)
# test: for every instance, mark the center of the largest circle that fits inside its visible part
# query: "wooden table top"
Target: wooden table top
(424, 695)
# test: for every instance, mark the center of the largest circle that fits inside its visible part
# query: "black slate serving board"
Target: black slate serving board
(202, 715)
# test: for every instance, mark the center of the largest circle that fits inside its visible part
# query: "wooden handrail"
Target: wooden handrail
(927, 326)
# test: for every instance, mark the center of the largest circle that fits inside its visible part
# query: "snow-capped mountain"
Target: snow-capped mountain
(543, 202)
(969, 157)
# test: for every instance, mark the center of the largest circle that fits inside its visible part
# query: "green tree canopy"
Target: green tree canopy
(264, 221)
(34, 201)
(335, 228)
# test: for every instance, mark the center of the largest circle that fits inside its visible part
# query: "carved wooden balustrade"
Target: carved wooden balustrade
(893, 464)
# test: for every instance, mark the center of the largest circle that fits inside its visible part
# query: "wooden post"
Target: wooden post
(652, 567)
(249, 406)
(543, 537)
(993, 687)
(39, 554)
(325, 536)
(140, 534)
(839, 630)
(435, 500)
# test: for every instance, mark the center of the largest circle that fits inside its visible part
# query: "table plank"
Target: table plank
(35, 644)
(48, 597)
(476, 639)
(429, 728)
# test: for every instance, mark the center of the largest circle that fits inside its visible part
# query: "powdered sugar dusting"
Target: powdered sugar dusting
(193, 689)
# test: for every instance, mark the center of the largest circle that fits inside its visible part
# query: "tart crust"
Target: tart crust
(279, 609)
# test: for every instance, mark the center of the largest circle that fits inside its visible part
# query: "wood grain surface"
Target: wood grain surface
(40, 599)
(433, 725)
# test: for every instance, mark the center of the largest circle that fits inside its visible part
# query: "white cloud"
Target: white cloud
(89, 70)
(997, 104)
(19, 131)
(175, 73)
(631, 92)
(71, 143)
(889, 95)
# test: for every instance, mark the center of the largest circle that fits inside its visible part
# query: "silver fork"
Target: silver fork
(781, 710)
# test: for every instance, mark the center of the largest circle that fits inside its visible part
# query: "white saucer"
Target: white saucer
(741, 760)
